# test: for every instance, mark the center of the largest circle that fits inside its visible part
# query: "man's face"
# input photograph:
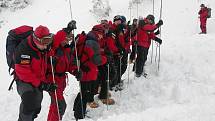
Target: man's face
(117, 22)
(100, 36)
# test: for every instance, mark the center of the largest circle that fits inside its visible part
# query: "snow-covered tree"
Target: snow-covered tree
(101, 9)
(13, 4)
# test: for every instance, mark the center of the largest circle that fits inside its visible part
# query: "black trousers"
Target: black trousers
(142, 53)
(87, 90)
(102, 81)
(31, 101)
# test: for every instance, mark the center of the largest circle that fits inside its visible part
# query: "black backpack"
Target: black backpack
(15, 36)
(209, 12)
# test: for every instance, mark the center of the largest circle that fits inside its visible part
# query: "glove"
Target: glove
(160, 22)
(85, 68)
(128, 23)
(78, 74)
(71, 26)
(157, 32)
(158, 40)
(49, 87)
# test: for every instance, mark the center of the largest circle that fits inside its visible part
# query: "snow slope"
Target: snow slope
(182, 90)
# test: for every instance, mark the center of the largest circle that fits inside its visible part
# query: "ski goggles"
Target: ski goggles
(46, 40)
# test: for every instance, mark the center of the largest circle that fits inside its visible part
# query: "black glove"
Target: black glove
(160, 22)
(71, 26)
(128, 23)
(78, 74)
(158, 40)
(85, 68)
(49, 87)
(157, 32)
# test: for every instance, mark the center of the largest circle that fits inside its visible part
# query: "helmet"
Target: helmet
(72, 25)
(116, 18)
(151, 18)
(123, 18)
(202, 5)
(134, 20)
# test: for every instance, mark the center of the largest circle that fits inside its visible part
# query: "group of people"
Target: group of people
(97, 59)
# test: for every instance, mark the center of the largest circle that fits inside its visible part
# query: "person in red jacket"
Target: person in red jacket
(63, 62)
(133, 30)
(103, 69)
(145, 34)
(30, 69)
(203, 13)
(90, 57)
(117, 33)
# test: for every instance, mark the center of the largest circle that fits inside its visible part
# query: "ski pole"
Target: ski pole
(78, 65)
(160, 35)
(108, 82)
(120, 69)
(77, 62)
(70, 7)
(129, 48)
(135, 63)
(55, 92)
(153, 11)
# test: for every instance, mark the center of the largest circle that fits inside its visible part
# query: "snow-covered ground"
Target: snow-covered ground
(182, 90)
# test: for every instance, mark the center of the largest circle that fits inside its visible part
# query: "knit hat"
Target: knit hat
(116, 18)
(42, 35)
(41, 31)
(99, 28)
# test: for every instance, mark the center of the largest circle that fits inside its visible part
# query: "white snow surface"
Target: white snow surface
(182, 90)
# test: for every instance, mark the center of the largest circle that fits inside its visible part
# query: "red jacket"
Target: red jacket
(119, 39)
(90, 56)
(30, 63)
(110, 43)
(63, 61)
(203, 14)
(145, 34)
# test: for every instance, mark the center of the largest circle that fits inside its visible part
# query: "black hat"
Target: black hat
(202, 5)
(123, 18)
(116, 18)
(151, 18)
(72, 25)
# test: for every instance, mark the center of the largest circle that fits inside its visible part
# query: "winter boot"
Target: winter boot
(93, 104)
(108, 101)
(109, 94)
(138, 75)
